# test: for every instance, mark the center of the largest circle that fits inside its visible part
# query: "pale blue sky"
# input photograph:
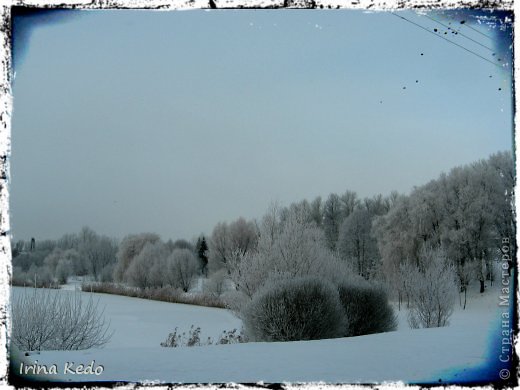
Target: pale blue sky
(132, 121)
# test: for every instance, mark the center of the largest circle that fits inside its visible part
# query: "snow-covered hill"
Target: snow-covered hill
(424, 355)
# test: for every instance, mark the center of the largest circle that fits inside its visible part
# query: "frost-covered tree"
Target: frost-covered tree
(356, 243)
(433, 290)
(349, 203)
(377, 205)
(219, 246)
(239, 235)
(294, 247)
(61, 263)
(332, 218)
(250, 272)
(316, 211)
(148, 268)
(396, 242)
(181, 269)
(467, 212)
(180, 244)
(129, 248)
(96, 252)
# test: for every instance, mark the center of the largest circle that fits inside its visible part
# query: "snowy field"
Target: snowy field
(425, 355)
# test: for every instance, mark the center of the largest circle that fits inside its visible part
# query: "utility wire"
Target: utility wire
(480, 32)
(453, 43)
(461, 34)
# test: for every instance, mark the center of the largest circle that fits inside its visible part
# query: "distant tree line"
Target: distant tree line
(140, 260)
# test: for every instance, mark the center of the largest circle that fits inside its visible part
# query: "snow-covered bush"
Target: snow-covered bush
(216, 284)
(367, 309)
(52, 320)
(433, 292)
(304, 308)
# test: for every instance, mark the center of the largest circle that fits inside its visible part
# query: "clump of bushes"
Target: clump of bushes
(304, 308)
(367, 309)
(310, 308)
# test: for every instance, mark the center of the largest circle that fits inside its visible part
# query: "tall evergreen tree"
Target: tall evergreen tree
(202, 248)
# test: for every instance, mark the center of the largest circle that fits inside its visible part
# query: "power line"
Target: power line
(461, 34)
(440, 36)
(474, 29)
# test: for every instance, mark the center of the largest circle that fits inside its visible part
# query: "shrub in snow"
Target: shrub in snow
(367, 309)
(192, 338)
(216, 284)
(433, 291)
(303, 308)
(231, 337)
(52, 320)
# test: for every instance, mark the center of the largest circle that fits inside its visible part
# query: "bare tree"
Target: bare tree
(433, 291)
(53, 320)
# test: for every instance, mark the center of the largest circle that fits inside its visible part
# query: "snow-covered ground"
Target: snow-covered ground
(424, 355)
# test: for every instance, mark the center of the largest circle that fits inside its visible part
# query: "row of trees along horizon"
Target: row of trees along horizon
(465, 214)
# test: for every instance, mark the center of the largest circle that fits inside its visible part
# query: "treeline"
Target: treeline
(140, 260)
(48, 262)
(461, 217)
